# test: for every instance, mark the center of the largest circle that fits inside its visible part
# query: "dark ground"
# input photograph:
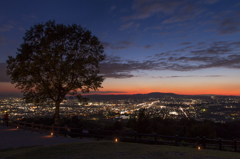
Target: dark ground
(13, 138)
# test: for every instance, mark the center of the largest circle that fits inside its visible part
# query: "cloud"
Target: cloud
(4, 77)
(27, 17)
(230, 24)
(220, 47)
(237, 5)
(222, 14)
(4, 28)
(103, 35)
(12, 94)
(216, 54)
(112, 8)
(144, 9)
(21, 29)
(148, 46)
(188, 12)
(118, 45)
(203, 55)
(160, 27)
(186, 43)
(129, 25)
(2, 39)
(116, 67)
(213, 76)
(106, 44)
(104, 92)
(118, 75)
(125, 43)
(173, 11)
(188, 76)
(180, 15)
(210, 1)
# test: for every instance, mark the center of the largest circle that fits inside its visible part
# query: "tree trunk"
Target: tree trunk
(56, 115)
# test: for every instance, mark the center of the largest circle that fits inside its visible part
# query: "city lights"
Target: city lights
(124, 109)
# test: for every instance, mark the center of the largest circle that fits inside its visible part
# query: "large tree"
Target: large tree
(56, 60)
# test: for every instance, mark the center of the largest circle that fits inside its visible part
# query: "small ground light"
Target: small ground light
(116, 140)
(199, 148)
(52, 133)
(17, 127)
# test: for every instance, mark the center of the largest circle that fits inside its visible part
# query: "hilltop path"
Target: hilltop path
(14, 138)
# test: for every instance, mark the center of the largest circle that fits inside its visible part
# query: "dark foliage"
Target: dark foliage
(185, 127)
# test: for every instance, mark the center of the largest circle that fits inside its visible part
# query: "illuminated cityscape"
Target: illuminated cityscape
(217, 109)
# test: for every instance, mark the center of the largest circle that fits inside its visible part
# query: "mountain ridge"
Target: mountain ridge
(98, 97)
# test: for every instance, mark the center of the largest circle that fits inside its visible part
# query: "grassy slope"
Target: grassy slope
(108, 149)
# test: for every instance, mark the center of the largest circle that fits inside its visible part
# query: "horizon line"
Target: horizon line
(158, 92)
(19, 95)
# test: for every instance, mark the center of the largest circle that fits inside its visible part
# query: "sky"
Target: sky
(187, 47)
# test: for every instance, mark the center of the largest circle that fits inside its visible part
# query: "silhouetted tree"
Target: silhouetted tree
(117, 125)
(206, 129)
(143, 122)
(132, 123)
(166, 127)
(55, 60)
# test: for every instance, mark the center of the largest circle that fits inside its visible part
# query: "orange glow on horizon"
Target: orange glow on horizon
(130, 87)
(8, 87)
(179, 93)
(176, 91)
(177, 87)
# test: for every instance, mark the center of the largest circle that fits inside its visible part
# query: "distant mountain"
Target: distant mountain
(138, 96)
(11, 94)
(103, 97)
(149, 95)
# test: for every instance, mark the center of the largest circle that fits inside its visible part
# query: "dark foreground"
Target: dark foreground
(18, 144)
(13, 138)
(110, 149)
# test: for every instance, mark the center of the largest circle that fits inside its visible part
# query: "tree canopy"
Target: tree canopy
(56, 60)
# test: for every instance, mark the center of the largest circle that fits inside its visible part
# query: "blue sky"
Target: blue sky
(179, 46)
